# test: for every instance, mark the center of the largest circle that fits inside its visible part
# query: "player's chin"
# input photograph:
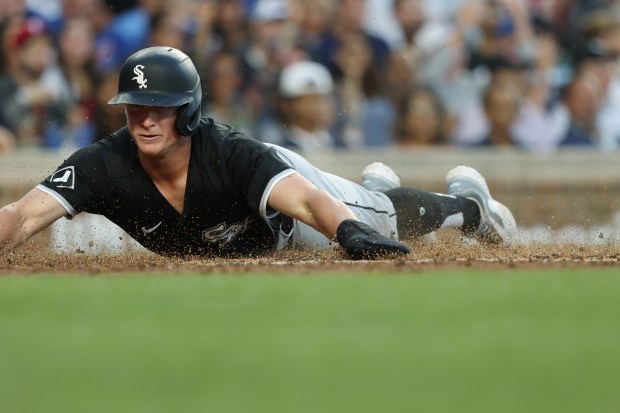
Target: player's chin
(150, 148)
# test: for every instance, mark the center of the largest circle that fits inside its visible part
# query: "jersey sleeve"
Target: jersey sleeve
(72, 183)
(254, 169)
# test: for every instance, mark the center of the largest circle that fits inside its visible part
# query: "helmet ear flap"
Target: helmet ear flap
(188, 119)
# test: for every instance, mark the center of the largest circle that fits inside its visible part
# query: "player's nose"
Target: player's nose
(148, 116)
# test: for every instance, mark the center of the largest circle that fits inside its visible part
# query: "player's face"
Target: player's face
(152, 128)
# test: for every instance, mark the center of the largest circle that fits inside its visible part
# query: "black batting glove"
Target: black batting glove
(360, 241)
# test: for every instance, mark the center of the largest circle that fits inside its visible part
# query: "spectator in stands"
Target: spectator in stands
(316, 19)
(436, 52)
(601, 29)
(305, 90)
(9, 26)
(421, 121)
(271, 39)
(542, 121)
(500, 34)
(219, 25)
(272, 47)
(30, 90)
(384, 91)
(231, 26)
(76, 62)
(411, 18)
(528, 52)
(223, 98)
(121, 28)
(553, 114)
(166, 29)
(353, 58)
(583, 98)
(506, 31)
(502, 102)
(574, 120)
(348, 25)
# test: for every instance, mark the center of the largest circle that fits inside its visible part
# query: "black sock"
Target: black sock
(420, 212)
(471, 214)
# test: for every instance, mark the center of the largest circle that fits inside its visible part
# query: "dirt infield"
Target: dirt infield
(447, 251)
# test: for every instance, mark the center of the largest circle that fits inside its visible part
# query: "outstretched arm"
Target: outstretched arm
(298, 198)
(22, 219)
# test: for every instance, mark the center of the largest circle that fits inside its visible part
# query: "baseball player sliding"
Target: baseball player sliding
(186, 185)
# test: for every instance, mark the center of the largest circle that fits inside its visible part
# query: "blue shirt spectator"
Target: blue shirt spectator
(126, 33)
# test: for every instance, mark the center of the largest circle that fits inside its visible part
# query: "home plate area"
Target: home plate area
(445, 250)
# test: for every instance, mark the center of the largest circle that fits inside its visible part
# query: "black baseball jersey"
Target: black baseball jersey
(225, 214)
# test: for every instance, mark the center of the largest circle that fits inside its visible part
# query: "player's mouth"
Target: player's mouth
(148, 137)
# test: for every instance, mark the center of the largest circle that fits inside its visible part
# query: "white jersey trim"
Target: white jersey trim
(66, 205)
(262, 209)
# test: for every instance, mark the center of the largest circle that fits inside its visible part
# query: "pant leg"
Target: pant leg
(370, 207)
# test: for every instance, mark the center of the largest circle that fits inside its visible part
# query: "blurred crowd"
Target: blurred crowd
(308, 74)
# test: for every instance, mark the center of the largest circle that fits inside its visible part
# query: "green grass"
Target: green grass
(450, 341)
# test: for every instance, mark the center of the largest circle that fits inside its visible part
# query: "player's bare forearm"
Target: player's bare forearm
(296, 197)
(325, 213)
(21, 220)
(10, 222)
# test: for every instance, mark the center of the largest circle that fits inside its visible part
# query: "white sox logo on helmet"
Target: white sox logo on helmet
(139, 76)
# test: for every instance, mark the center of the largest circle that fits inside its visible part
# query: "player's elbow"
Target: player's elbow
(10, 215)
(16, 226)
(11, 219)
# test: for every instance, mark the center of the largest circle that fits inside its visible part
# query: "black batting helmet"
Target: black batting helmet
(163, 77)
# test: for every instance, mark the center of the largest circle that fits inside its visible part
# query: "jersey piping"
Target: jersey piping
(66, 205)
(263, 202)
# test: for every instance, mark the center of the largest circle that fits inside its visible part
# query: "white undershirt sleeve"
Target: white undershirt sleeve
(66, 205)
(272, 183)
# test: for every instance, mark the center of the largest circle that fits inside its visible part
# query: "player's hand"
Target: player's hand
(360, 241)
